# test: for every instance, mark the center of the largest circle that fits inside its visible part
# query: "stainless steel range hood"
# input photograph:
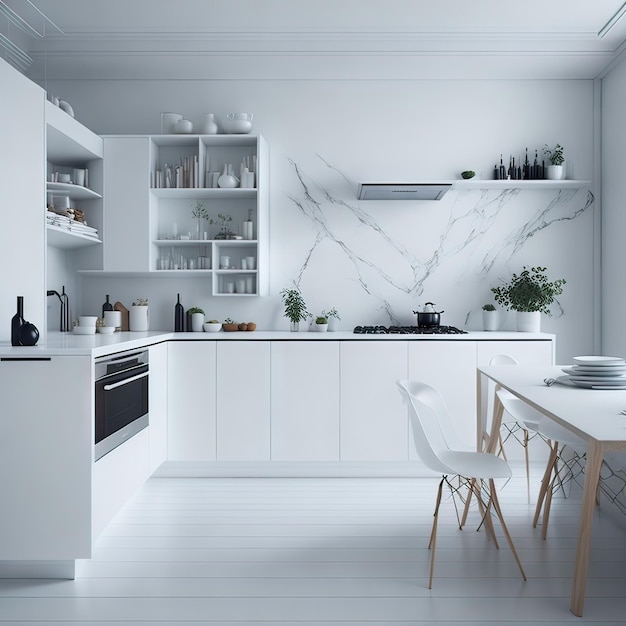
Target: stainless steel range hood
(403, 191)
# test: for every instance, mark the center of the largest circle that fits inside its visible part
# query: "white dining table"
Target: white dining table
(595, 415)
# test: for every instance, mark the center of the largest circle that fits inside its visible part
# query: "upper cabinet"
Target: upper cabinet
(190, 206)
(74, 170)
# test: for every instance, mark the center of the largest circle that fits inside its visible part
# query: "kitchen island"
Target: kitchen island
(221, 404)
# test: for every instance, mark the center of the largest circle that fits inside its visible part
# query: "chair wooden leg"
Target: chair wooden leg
(496, 506)
(546, 507)
(501, 451)
(546, 481)
(485, 512)
(433, 534)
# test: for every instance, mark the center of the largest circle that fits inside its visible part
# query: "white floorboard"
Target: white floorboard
(323, 552)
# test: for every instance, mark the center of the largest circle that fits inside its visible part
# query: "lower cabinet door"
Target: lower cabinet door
(191, 398)
(374, 418)
(449, 367)
(305, 401)
(157, 405)
(243, 401)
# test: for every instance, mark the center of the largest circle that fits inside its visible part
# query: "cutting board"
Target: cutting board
(118, 306)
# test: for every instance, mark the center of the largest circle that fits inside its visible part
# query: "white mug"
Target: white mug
(250, 262)
(113, 318)
(224, 262)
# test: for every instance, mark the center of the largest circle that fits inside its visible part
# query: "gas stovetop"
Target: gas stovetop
(408, 330)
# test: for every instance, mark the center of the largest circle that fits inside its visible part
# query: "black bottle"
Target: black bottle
(17, 321)
(107, 306)
(179, 316)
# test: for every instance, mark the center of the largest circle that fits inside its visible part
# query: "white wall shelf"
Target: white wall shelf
(59, 237)
(520, 184)
(203, 193)
(74, 192)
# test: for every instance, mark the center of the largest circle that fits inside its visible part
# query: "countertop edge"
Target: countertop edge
(67, 344)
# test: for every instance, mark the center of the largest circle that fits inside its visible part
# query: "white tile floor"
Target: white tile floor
(323, 552)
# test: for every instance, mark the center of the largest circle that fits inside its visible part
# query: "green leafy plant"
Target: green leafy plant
(529, 291)
(332, 313)
(225, 230)
(195, 309)
(488, 307)
(555, 155)
(321, 319)
(200, 211)
(295, 306)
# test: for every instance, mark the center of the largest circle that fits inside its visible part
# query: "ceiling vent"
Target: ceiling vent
(403, 191)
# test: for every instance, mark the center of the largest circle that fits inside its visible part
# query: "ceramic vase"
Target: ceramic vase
(555, 172)
(528, 321)
(333, 324)
(209, 125)
(490, 320)
(226, 180)
(197, 322)
(138, 318)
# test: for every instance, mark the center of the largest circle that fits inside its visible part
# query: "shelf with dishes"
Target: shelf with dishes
(60, 237)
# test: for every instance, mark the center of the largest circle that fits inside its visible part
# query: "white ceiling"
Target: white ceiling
(322, 39)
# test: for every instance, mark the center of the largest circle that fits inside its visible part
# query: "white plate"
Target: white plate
(601, 380)
(597, 385)
(608, 370)
(598, 361)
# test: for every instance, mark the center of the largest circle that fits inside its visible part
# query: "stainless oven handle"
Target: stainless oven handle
(125, 381)
(113, 360)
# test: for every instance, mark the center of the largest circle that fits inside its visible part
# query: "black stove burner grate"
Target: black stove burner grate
(408, 330)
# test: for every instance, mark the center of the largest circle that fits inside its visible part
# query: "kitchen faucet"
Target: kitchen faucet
(65, 325)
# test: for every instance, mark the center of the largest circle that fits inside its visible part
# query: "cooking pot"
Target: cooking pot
(428, 317)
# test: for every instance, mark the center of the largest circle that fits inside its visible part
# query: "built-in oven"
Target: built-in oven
(121, 397)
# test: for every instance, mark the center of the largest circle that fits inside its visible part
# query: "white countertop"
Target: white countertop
(66, 344)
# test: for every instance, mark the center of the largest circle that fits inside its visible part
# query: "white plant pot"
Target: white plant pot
(333, 324)
(490, 320)
(197, 322)
(138, 318)
(555, 172)
(320, 328)
(528, 322)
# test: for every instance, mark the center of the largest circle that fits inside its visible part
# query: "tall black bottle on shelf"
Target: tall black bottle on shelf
(179, 316)
(17, 321)
(107, 306)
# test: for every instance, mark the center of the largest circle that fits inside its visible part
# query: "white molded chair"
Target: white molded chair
(440, 449)
(518, 415)
(560, 438)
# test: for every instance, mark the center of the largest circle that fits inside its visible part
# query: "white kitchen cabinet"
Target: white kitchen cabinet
(70, 146)
(157, 404)
(127, 206)
(449, 367)
(305, 401)
(22, 197)
(154, 228)
(374, 419)
(46, 444)
(191, 400)
(243, 401)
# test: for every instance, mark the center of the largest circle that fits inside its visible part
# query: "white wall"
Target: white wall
(377, 262)
(613, 212)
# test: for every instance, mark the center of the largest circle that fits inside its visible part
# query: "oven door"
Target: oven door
(121, 397)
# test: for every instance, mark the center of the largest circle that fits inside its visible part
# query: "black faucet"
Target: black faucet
(65, 324)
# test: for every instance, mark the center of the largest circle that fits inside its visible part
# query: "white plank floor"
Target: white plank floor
(316, 552)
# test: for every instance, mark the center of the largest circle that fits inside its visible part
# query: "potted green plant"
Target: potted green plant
(295, 307)
(225, 231)
(321, 323)
(197, 318)
(530, 293)
(490, 317)
(556, 169)
(333, 318)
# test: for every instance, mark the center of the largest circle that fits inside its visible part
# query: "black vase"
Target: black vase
(107, 306)
(179, 316)
(17, 322)
(28, 335)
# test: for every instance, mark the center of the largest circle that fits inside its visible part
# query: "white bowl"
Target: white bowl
(84, 330)
(237, 127)
(87, 320)
(212, 327)
(106, 330)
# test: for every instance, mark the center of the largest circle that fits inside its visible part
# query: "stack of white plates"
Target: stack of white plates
(597, 372)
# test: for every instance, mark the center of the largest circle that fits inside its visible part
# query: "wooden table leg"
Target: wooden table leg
(595, 454)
